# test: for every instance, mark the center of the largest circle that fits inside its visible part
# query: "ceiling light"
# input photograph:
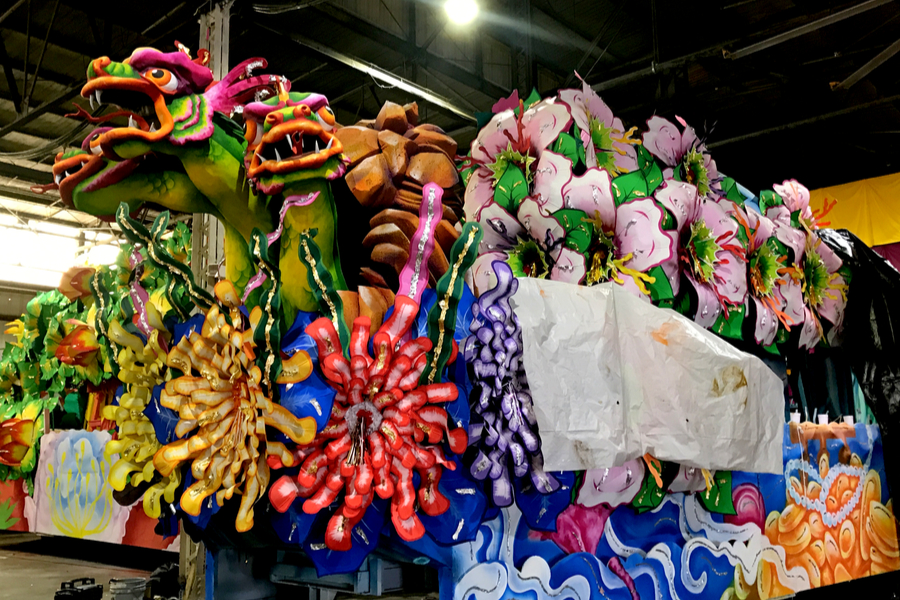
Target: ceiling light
(461, 12)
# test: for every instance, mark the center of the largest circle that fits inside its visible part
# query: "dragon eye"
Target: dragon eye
(163, 79)
(94, 144)
(326, 117)
(253, 133)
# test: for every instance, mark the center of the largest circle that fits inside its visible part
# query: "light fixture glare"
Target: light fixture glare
(461, 12)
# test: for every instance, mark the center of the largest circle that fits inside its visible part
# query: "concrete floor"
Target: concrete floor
(33, 576)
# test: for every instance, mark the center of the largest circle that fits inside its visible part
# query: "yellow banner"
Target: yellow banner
(870, 208)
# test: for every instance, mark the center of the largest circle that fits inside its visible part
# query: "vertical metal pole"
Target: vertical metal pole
(411, 31)
(207, 253)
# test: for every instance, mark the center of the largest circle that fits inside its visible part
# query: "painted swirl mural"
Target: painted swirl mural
(827, 519)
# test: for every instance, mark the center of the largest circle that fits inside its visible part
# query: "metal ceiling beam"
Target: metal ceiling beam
(42, 201)
(803, 122)
(10, 77)
(808, 28)
(713, 51)
(867, 68)
(37, 69)
(19, 172)
(590, 51)
(545, 23)
(378, 73)
(397, 44)
(11, 10)
(66, 94)
(24, 215)
(653, 69)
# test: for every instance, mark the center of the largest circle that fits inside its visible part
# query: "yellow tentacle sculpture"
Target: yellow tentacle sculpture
(142, 367)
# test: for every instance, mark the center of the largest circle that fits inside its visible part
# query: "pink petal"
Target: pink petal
(543, 228)
(680, 199)
(574, 99)
(481, 276)
(832, 261)
(730, 272)
(491, 139)
(501, 230)
(584, 104)
(639, 233)
(793, 238)
(688, 137)
(479, 192)
(627, 162)
(551, 175)
(544, 122)
(590, 152)
(631, 287)
(510, 103)
(712, 173)
(663, 140)
(763, 227)
(597, 108)
(730, 278)
(708, 306)
(766, 323)
(794, 194)
(719, 220)
(613, 486)
(717, 214)
(810, 334)
(569, 266)
(671, 267)
(592, 192)
(833, 310)
(792, 300)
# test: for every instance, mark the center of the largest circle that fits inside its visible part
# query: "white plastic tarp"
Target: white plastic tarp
(613, 377)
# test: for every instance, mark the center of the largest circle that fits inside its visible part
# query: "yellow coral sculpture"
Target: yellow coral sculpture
(220, 399)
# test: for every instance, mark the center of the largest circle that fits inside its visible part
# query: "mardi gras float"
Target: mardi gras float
(540, 368)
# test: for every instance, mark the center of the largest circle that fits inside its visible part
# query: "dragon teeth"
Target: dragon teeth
(331, 141)
(277, 156)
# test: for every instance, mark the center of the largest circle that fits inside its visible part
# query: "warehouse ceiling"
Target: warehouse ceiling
(779, 88)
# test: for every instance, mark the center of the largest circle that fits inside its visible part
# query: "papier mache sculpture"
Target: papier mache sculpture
(398, 413)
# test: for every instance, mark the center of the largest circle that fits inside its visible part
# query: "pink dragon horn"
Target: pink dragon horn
(238, 86)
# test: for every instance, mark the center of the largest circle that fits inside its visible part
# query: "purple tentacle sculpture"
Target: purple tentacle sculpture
(503, 424)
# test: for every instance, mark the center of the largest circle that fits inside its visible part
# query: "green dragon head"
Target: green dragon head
(168, 97)
(96, 185)
(290, 138)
